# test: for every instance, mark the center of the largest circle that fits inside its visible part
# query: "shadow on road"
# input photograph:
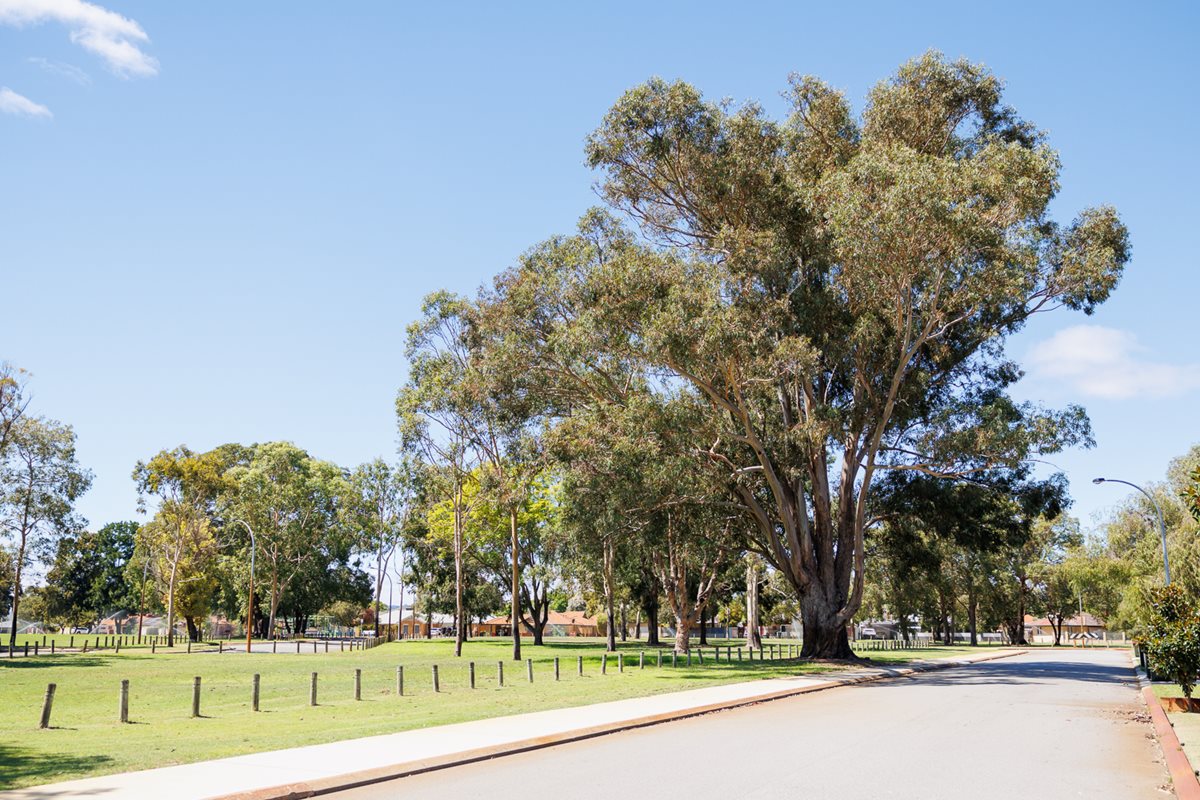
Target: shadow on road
(1023, 672)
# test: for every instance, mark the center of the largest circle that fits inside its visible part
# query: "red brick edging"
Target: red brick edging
(1182, 775)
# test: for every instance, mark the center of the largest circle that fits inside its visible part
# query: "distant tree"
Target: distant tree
(292, 501)
(40, 480)
(377, 507)
(180, 542)
(13, 401)
(88, 577)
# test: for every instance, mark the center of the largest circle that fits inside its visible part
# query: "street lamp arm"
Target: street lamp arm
(1162, 528)
(250, 601)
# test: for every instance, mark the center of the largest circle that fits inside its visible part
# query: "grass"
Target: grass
(86, 738)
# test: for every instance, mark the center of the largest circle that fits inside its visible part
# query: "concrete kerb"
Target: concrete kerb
(351, 780)
(1183, 774)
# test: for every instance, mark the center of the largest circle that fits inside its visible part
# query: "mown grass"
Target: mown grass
(86, 738)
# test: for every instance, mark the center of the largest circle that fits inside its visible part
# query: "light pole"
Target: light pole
(250, 602)
(1162, 529)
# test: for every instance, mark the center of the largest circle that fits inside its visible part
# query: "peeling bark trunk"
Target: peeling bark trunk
(515, 613)
(753, 638)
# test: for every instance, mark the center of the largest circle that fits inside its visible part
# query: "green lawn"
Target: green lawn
(86, 739)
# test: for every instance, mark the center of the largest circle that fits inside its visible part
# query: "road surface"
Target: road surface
(1048, 724)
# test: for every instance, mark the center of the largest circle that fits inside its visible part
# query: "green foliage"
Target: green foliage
(1173, 636)
(88, 577)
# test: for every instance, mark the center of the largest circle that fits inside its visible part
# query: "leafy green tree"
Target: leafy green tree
(291, 501)
(377, 507)
(839, 290)
(40, 480)
(13, 402)
(88, 577)
(439, 421)
(180, 542)
(1173, 637)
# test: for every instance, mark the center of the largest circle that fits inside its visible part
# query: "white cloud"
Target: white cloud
(1108, 362)
(116, 39)
(67, 71)
(19, 105)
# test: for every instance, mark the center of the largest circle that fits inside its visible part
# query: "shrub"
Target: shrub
(1173, 637)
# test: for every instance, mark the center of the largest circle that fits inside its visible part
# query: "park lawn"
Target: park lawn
(85, 738)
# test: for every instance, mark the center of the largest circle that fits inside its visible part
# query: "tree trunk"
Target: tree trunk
(609, 596)
(637, 625)
(458, 571)
(652, 639)
(624, 627)
(973, 617)
(824, 636)
(193, 632)
(683, 632)
(171, 603)
(12, 631)
(516, 591)
(753, 637)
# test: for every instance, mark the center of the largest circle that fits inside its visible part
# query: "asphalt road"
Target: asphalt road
(1049, 724)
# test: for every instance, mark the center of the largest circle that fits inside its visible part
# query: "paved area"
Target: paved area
(1048, 724)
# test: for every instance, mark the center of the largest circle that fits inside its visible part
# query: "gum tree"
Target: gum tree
(839, 290)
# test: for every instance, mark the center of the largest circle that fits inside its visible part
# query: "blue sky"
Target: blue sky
(216, 219)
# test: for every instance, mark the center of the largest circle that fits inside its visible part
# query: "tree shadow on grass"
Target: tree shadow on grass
(20, 766)
(44, 661)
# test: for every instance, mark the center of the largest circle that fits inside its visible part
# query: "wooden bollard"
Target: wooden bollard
(196, 696)
(27, 649)
(326, 645)
(47, 704)
(254, 691)
(556, 668)
(529, 669)
(72, 643)
(297, 648)
(153, 645)
(604, 664)
(689, 658)
(189, 646)
(729, 655)
(341, 645)
(118, 649)
(123, 706)
(220, 646)
(674, 657)
(51, 647)
(35, 648)
(471, 670)
(620, 662)
(700, 655)
(312, 690)
(436, 687)
(660, 658)
(641, 659)
(739, 654)
(274, 644)
(358, 684)
(399, 681)
(500, 672)
(580, 662)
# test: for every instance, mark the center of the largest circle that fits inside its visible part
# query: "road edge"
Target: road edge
(351, 780)
(1179, 766)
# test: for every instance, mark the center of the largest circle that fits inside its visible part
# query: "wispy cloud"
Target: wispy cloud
(68, 71)
(20, 106)
(116, 39)
(1109, 362)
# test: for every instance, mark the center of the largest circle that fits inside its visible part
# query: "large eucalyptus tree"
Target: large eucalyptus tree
(838, 289)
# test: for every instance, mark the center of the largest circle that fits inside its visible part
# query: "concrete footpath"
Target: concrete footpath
(319, 769)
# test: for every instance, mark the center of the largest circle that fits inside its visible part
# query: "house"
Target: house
(559, 623)
(396, 623)
(1041, 628)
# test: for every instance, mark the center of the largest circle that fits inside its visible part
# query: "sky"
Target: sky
(216, 219)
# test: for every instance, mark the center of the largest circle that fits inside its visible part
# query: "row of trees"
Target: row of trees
(775, 361)
(806, 313)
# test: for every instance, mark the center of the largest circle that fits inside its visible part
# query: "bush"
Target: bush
(1173, 637)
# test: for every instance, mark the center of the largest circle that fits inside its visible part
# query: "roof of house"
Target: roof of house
(1088, 621)
(554, 618)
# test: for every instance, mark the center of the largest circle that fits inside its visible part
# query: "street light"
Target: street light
(1162, 529)
(250, 602)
